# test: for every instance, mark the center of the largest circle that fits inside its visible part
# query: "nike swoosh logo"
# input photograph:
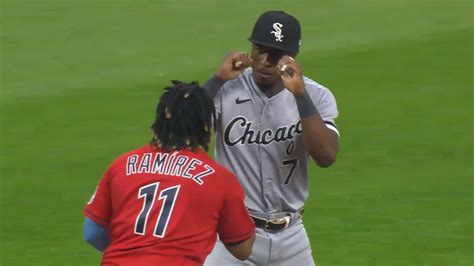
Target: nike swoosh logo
(239, 101)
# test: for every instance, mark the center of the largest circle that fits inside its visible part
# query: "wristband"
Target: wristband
(213, 85)
(305, 105)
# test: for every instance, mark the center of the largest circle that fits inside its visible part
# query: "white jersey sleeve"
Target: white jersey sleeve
(324, 101)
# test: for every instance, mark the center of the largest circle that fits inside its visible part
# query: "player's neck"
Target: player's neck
(271, 91)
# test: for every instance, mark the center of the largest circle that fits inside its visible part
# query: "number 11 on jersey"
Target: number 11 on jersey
(149, 192)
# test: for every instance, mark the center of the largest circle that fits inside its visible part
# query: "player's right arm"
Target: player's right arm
(241, 250)
(235, 228)
(232, 66)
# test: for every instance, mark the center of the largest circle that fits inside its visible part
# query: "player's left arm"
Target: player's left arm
(321, 142)
(235, 227)
(98, 212)
(96, 235)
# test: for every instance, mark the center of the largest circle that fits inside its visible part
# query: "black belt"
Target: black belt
(275, 224)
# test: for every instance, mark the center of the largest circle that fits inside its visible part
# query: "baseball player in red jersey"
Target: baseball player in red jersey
(162, 204)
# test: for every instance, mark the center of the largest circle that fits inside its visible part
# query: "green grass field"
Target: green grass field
(80, 80)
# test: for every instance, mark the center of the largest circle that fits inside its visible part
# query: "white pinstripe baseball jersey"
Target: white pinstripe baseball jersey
(260, 140)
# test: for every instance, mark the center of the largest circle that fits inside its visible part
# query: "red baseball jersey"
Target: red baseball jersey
(166, 208)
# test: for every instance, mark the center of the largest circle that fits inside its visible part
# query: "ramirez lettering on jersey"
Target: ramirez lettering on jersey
(168, 164)
(246, 135)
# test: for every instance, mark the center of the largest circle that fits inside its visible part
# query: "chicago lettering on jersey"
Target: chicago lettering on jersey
(246, 135)
(171, 164)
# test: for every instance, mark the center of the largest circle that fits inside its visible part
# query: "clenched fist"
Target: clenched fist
(291, 74)
(234, 63)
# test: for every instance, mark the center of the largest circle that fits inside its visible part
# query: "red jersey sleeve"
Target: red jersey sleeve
(235, 224)
(99, 207)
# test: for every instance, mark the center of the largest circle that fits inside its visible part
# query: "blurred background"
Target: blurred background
(80, 80)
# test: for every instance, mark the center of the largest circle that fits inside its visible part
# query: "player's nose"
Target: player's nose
(265, 59)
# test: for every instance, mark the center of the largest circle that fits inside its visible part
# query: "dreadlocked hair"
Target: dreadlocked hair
(184, 118)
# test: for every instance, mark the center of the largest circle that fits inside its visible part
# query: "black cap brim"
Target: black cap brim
(273, 46)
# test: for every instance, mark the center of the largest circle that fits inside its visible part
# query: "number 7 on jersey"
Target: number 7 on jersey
(292, 163)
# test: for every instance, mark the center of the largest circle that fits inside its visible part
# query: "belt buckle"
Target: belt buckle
(283, 220)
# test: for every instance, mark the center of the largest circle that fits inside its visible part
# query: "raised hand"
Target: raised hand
(291, 74)
(234, 63)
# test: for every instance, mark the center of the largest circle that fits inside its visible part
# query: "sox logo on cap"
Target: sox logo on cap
(277, 32)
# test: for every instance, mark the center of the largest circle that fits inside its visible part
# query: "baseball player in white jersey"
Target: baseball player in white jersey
(272, 121)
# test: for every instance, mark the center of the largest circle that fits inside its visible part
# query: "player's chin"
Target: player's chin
(266, 80)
